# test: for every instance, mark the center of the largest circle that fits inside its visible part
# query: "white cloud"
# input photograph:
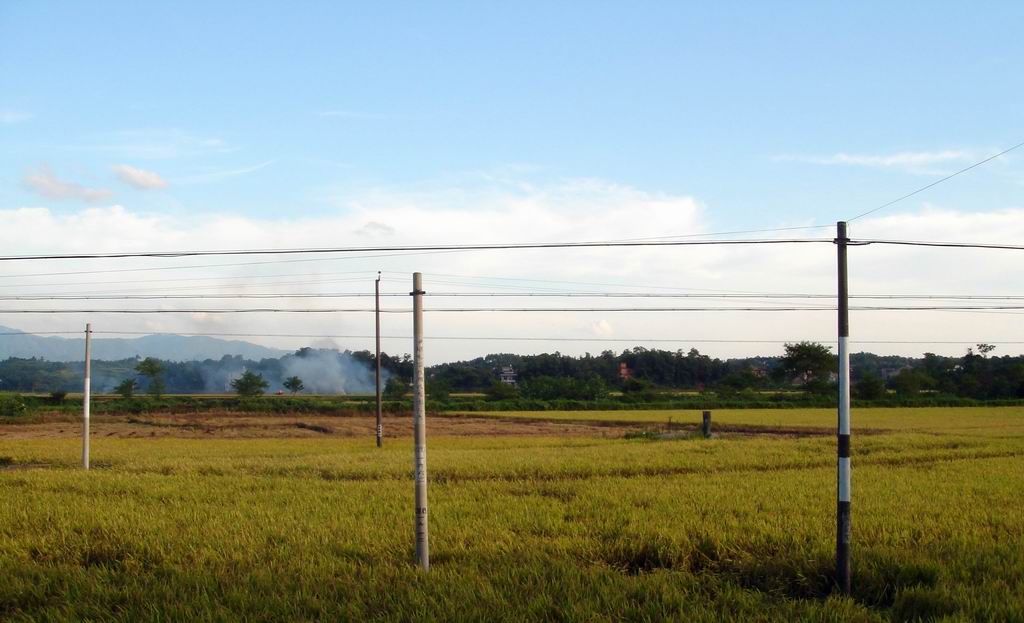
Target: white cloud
(46, 184)
(152, 144)
(574, 210)
(351, 114)
(916, 162)
(14, 116)
(216, 176)
(139, 178)
(374, 228)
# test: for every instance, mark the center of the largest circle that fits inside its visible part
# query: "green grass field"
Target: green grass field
(522, 528)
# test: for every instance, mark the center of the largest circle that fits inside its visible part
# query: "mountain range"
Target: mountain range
(14, 343)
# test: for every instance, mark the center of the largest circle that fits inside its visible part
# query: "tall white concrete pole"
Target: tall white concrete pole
(419, 415)
(843, 468)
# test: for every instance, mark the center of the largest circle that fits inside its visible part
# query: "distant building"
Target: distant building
(624, 372)
(759, 372)
(802, 379)
(806, 377)
(508, 375)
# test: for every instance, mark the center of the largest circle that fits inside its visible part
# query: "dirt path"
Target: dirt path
(191, 426)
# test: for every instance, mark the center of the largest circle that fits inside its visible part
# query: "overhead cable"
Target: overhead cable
(935, 183)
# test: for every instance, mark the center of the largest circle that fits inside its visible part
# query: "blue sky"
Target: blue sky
(762, 114)
(701, 100)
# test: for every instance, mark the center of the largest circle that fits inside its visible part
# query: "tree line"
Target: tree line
(805, 366)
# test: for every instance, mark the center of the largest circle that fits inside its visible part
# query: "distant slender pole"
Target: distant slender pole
(380, 428)
(843, 497)
(419, 419)
(86, 396)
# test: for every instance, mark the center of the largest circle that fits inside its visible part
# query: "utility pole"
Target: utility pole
(843, 489)
(86, 396)
(380, 429)
(419, 419)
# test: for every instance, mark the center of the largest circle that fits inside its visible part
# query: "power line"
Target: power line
(226, 265)
(955, 245)
(626, 295)
(507, 338)
(225, 281)
(731, 233)
(7, 333)
(451, 247)
(503, 338)
(141, 291)
(379, 255)
(431, 278)
(935, 183)
(508, 309)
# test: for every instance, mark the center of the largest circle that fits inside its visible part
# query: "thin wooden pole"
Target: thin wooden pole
(380, 427)
(86, 396)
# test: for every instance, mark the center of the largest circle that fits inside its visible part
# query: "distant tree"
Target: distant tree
(249, 384)
(809, 362)
(126, 388)
(870, 387)
(985, 349)
(294, 385)
(151, 368)
(501, 391)
(640, 390)
(556, 388)
(738, 380)
(12, 405)
(907, 382)
(438, 389)
(396, 388)
(636, 386)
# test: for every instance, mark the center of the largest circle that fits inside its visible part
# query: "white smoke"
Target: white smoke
(327, 372)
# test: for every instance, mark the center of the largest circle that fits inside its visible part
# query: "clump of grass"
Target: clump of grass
(649, 435)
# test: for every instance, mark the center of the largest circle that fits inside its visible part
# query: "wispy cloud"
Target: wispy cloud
(215, 176)
(602, 328)
(46, 184)
(352, 114)
(916, 162)
(14, 116)
(139, 178)
(153, 144)
(374, 228)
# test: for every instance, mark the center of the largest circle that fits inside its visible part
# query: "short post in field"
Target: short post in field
(419, 418)
(843, 468)
(705, 426)
(380, 428)
(86, 396)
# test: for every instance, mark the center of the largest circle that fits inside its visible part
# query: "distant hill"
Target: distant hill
(167, 347)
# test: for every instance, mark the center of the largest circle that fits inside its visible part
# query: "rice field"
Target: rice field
(574, 528)
(981, 420)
